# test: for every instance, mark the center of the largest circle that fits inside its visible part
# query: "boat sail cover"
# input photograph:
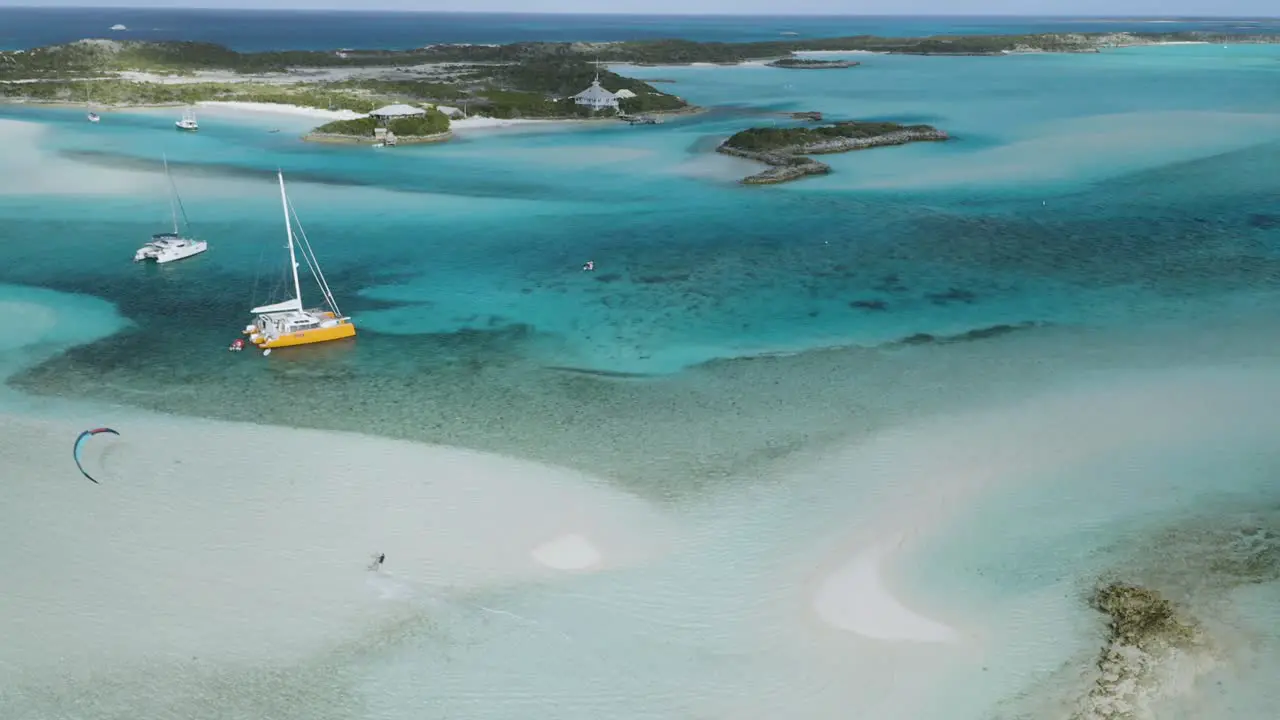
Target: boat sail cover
(286, 306)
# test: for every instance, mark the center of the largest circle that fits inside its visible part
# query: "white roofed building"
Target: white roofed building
(391, 112)
(596, 97)
(623, 94)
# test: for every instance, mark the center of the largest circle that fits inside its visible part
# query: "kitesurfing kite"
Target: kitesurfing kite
(75, 451)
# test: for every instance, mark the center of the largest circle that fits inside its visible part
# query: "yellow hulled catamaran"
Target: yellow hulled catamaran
(287, 323)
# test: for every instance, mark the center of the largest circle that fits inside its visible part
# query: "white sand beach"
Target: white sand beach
(474, 122)
(281, 109)
(480, 122)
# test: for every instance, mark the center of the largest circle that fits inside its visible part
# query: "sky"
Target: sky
(1146, 8)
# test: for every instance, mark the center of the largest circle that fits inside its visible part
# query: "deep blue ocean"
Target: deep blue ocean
(255, 30)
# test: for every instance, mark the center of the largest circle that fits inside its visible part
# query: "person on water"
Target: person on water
(377, 561)
(590, 265)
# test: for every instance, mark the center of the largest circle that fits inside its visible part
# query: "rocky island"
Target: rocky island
(431, 126)
(796, 63)
(784, 150)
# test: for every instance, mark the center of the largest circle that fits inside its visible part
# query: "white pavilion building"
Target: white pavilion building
(386, 114)
(391, 112)
(596, 97)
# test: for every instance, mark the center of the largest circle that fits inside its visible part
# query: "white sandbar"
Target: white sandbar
(855, 598)
(226, 540)
(568, 552)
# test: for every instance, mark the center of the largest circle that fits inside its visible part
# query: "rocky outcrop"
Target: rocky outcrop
(789, 163)
(843, 144)
(1145, 631)
(782, 167)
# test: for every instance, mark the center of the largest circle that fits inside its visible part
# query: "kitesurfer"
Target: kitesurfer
(377, 561)
(75, 449)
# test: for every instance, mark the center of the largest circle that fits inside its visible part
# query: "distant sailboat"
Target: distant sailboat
(188, 121)
(169, 246)
(88, 107)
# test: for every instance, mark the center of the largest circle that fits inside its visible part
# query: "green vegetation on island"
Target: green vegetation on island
(806, 139)
(112, 92)
(522, 85)
(433, 123)
(669, 52)
(795, 63)
(99, 56)
(784, 149)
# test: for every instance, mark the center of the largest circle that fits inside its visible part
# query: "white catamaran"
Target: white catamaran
(169, 246)
(287, 323)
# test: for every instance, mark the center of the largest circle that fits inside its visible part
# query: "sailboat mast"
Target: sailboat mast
(288, 227)
(173, 210)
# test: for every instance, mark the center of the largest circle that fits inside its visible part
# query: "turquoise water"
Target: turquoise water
(1059, 201)
(1098, 220)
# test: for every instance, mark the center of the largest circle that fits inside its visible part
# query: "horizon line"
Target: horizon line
(412, 11)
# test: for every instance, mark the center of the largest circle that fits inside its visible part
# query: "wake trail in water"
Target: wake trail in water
(437, 595)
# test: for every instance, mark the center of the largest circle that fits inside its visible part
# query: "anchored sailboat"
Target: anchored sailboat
(188, 121)
(169, 246)
(286, 323)
(88, 106)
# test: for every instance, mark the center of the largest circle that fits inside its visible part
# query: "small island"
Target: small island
(784, 150)
(429, 85)
(796, 63)
(427, 125)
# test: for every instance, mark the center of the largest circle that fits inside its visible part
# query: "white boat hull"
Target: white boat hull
(170, 254)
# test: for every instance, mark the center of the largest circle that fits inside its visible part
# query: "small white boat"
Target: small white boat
(188, 121)
(88, 107)
(169, 246)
